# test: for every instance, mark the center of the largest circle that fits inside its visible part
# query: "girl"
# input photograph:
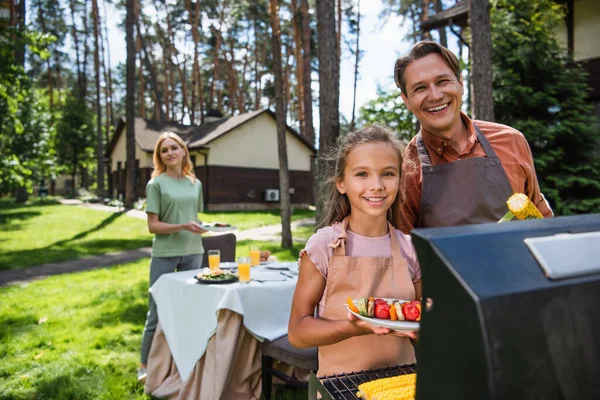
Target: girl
(174, 198)
(359, 254)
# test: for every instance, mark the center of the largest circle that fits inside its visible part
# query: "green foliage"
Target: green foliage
(538, 91)
(75, 134)
(389, 109)
(26, 134)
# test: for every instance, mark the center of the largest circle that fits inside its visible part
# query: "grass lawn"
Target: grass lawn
(77, 336)
(43, 233)
(49, 232)
(252, 219)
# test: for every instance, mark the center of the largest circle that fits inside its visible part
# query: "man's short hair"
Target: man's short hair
(420, 50)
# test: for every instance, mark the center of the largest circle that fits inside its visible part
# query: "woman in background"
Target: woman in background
(173, 200)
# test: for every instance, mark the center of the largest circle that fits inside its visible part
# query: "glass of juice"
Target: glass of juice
(254, 256)
(214, 259)
(243, 264)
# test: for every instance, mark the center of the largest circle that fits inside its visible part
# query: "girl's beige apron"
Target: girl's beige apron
(469, 191)
(363, 277)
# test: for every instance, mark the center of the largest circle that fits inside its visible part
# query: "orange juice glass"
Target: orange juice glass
(254, 256)
(214, 259)
(243, 264)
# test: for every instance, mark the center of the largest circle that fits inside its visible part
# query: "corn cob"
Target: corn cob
(369, 390)
(403, 393)
(522, 208)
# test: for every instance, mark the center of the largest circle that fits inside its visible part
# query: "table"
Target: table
(208, 342)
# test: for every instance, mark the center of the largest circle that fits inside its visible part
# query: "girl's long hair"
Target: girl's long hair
(336, 205)
(187, 168)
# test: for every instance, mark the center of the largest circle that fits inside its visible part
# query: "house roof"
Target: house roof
(455, 15)
(195, 136)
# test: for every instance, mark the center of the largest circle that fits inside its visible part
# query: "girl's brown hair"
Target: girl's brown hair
(187, 168)
(336, 205)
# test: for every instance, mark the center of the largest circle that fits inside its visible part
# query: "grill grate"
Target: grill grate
(345, 386)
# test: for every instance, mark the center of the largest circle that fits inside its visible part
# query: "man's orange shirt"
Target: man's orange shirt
(510, 146)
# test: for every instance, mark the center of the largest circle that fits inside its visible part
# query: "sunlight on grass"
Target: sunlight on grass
(252, 219)
(37, 234)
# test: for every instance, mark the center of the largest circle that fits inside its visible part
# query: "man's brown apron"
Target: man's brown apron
(469, 191)
(363, 277)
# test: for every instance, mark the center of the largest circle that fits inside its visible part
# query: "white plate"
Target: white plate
(228, 265)
(212, 228)
(386, 323)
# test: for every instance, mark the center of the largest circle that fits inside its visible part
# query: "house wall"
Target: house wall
(587, 29)
(244, 188)
(586, 21)
(254, 145)
(120, 154)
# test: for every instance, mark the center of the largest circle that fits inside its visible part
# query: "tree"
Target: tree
(540, 92)
(75, 133)
(130, 106)
(329, 85)
(99, 135)
(355, 28)
(481, 60)
(309, 130)
(389, 109)
(284, 180)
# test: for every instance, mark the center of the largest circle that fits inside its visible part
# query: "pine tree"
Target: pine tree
(540, 92)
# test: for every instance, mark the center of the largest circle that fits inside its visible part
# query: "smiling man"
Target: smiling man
(456, 170)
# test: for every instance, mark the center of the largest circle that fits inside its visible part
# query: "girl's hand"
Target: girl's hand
(378, 330)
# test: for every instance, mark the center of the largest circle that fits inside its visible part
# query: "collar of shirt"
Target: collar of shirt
(443, 148)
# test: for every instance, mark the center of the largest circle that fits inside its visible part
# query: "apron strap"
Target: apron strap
(485, 145)
(424, 154)
(339, 244)
(422, 150)
(395, 246)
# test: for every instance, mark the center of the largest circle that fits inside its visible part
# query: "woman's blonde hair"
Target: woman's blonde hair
(187, 168)
(336, 205)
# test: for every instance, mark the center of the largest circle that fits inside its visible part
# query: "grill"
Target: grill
(514, 314)
(345, 386)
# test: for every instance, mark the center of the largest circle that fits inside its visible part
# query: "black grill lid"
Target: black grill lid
(499, 328)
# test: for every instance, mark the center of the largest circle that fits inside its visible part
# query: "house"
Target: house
(236, 159)
(578, 34)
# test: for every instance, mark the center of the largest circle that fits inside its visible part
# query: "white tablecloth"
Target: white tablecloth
(188, 311)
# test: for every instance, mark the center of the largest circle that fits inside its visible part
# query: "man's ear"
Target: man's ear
(340, 187)
(405, 100)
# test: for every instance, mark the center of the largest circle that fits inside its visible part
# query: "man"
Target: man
(456, 170)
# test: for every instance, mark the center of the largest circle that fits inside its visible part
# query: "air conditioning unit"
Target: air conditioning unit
(272, 195)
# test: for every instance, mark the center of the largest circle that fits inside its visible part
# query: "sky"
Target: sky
(381, 45)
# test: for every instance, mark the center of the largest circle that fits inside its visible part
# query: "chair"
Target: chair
(225, 243)
(281, 349)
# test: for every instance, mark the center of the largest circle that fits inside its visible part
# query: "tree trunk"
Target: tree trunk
(307, 80)
(48, 65)
(130, 105)
(357, 59)
(21, 11)
(86, 49)
(339, 32)
(298, 47)
(286, 78)
(284, 183)
(81, 90)
(329, 85)
(153, 78)
(215, 69)
(193, 19)
(481, 68)
(257, 74)
(109, 91)
(424, 17)
(442, 31)
(99, 138)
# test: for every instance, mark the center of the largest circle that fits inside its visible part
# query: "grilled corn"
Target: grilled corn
(374, 389)
(522, 208)
(403, 393)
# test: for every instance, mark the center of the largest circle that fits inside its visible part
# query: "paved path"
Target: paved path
(17, 276)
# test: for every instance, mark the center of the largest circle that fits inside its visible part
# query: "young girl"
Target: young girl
(173, 200)
(359, 254)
